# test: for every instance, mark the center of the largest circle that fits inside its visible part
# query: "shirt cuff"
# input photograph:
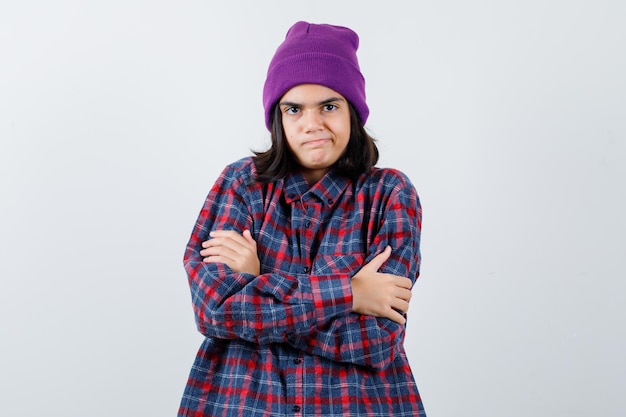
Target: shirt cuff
(332, 296)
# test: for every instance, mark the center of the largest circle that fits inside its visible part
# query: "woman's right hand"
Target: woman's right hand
(378, 294)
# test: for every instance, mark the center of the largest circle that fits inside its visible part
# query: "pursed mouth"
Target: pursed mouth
(314, 142)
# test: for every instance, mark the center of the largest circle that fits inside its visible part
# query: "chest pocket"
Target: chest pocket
(332, 264)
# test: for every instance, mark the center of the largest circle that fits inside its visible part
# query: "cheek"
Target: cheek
(345, 127)
(289, 130)
(345, 132)
(289, 141)
(289, 136)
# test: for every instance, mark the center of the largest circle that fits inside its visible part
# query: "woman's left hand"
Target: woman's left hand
(238, 251)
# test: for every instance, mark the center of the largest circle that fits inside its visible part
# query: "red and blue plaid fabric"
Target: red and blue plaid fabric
(285, 343)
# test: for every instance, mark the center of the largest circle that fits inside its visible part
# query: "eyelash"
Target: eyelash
(295, 110)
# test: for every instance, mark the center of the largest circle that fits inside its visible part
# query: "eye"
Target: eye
(291, 110)
(330, 107)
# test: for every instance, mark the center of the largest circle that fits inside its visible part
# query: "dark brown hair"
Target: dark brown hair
(360, 155)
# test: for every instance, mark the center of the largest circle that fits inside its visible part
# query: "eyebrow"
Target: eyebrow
(321, 103)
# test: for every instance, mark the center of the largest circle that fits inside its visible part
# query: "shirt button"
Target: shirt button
(296, 408)
(306, 269)
(307, 224)
(297, 361)
(329, 201)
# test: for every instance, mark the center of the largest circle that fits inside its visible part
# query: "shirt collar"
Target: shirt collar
(326, 190)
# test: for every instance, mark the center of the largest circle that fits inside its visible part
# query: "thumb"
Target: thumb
(379, 259)
(248, 236)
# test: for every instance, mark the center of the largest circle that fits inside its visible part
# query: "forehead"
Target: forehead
(310, 94)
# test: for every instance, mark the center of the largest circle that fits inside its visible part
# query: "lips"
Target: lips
(315, 142)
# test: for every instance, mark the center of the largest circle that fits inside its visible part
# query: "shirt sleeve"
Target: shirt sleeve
(366, 340)
(271, 307)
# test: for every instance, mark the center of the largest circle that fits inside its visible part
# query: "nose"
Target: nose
(312, 121)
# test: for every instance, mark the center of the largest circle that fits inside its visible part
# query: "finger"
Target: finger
(227, 254)
(219, 250)
(400, 305)
(404, 294)
(233, 242)
(244, 239)
(403, 282)
(215, 259)
(211, 248)
(223, 233)
(395, 316)
(220, 242)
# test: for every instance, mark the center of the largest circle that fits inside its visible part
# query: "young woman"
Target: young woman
(303, 257)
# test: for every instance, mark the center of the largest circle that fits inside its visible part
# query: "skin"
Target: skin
(316, 121)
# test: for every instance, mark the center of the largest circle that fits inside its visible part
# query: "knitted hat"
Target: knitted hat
(316, 54)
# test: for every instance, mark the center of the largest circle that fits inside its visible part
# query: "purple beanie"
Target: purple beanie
(316, 54)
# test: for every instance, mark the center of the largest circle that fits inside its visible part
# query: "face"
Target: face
(316, 121)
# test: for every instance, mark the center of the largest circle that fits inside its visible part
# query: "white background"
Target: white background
(509, 116)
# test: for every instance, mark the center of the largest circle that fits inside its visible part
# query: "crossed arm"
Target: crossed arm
(342, 316)
(373, 293)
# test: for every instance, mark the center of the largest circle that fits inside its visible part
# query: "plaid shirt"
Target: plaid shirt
(285, 343)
